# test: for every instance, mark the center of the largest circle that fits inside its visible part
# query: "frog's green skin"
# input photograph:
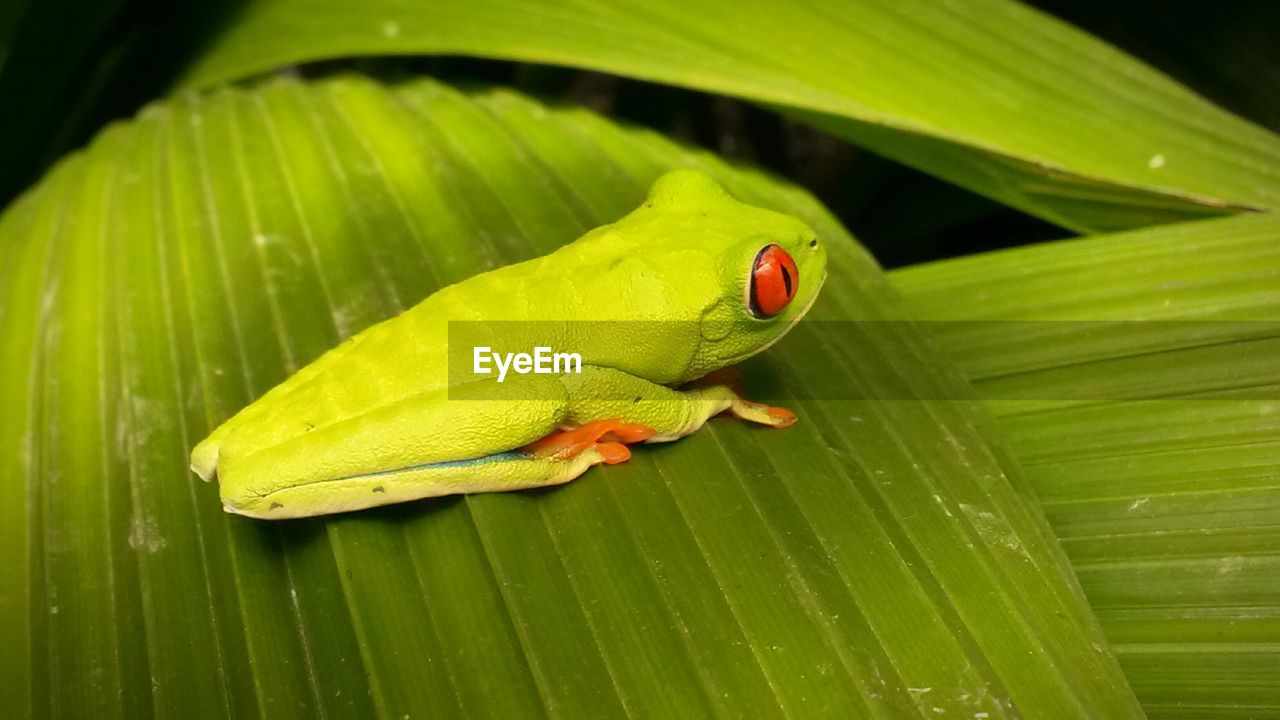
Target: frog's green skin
(376, 420)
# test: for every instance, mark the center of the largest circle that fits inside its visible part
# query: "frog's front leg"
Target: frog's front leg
(604, 393)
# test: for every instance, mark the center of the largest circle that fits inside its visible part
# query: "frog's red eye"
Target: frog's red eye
(774, 281)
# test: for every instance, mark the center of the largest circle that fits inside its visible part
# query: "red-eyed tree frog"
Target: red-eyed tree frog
(689, 283)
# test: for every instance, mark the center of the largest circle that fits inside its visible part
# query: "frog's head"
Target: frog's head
(745, 274)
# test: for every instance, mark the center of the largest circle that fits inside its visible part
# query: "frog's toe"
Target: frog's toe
(613, 452)
(781, 416)
(763, 414)
(628, 432)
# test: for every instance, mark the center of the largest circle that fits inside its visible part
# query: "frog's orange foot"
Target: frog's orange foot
(606, 436)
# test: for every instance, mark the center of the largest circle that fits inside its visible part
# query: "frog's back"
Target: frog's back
(398, 358)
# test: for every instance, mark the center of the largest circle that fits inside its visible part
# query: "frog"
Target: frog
(657, 307)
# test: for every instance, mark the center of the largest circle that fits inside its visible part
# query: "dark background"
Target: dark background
(70, 66)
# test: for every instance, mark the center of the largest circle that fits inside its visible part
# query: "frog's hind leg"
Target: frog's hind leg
(555, 459)
(514, 470)
(479, 437)
(438, 442)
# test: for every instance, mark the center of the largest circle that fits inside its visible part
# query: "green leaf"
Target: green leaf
(874, 560)
(1152, 443)
(989, 94)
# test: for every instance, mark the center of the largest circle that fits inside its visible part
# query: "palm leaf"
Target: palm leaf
(1136, 378)
(988, 94)
(874, 560)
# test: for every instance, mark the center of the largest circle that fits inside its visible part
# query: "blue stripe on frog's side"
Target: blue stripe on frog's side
(469, 462)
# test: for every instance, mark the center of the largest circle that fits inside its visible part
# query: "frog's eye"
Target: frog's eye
(774, 281)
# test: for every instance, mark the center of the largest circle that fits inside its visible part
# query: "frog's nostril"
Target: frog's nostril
(813, 243)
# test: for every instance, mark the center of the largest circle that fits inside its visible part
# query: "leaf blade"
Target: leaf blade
(1007, 101)
(716, 575)
(1160, 481)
